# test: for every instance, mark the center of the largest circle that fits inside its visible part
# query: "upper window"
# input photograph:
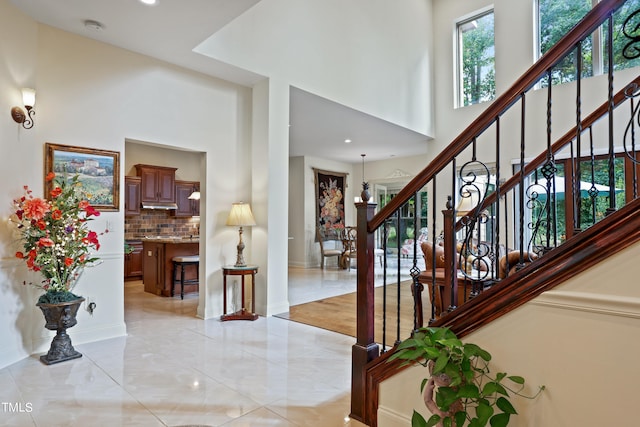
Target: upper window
(476, 74)
(557, 17)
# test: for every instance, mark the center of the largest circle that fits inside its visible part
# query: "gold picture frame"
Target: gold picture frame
(99, 172)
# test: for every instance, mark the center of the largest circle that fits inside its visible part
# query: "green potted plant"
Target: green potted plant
(57, 243)
(460, 389)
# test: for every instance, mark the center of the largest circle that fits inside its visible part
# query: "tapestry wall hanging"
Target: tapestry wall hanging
(330, 190)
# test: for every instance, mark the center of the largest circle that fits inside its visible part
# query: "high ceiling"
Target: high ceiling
(170, 30)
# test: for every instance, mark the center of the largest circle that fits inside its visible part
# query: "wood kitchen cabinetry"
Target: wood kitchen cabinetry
(133, 261)
(157, 184)
(152, 254)
(132, 195)
(186, 207)
(157, 265)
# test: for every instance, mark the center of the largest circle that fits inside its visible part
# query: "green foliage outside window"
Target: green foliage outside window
(557, 17)
(478, 77)
(592, 210)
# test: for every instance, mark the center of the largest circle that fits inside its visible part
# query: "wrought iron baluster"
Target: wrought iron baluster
(385, 237)
(496, 219)
(577, 176)
(593, 191)
(522, 165)
(434, 218)
(416, 286)
(452, 235)
(612, 178)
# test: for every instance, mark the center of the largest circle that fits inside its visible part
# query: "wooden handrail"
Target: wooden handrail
(589, 23)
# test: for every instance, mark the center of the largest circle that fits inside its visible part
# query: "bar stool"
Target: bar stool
(181, 262)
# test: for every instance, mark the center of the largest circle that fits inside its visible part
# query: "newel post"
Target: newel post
(365, 349)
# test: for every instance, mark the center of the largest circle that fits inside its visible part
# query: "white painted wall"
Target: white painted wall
(577, 340)
(297, 253)
(373, 56)
(18, 69)
(94, 95)
(270, 181)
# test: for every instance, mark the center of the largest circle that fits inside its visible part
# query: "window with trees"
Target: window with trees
(557, 17)
(560, 212)
(476, 59)
(406, 226)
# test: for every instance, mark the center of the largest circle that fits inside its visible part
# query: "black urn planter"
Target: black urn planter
(58, 318)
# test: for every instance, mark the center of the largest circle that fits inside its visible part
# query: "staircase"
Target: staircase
(546, 218)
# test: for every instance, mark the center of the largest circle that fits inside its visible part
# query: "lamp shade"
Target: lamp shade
(28, 97)
(240, 215)
(468, 201)
(194, 196)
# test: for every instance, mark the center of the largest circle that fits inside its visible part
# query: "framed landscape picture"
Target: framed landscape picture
(98, 170)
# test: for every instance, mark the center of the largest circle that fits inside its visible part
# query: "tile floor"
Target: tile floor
(174, 369)
(311, 284)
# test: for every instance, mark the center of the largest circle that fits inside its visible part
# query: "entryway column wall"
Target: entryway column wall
(270, 194)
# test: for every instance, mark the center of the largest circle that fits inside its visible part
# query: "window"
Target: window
(407, 221)
(557, 17)
(475, 59)
(554, 221)
(620, 41)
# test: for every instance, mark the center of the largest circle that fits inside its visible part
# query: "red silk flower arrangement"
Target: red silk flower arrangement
(55, 236)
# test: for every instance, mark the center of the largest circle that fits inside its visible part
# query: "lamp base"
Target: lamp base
(240, 258)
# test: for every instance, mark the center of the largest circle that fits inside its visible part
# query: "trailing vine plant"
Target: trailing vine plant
(467, 394)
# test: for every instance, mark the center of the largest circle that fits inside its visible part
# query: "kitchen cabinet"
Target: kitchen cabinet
(133, 261)
(152, 254)
(158, 267)
(157, 184)
(186, 207)
(132, 195)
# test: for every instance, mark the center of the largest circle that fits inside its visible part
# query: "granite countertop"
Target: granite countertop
(171, 239)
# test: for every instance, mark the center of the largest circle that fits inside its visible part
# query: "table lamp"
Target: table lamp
(468, 201)
(241, 216)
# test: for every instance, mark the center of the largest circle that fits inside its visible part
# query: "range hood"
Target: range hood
(159, 206)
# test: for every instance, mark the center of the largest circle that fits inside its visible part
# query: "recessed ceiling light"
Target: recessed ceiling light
(149, 2)
(347, 141)
(93, 25)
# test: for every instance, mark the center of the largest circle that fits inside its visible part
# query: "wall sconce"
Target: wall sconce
(19, 115)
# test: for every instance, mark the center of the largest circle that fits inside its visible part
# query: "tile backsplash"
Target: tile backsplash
(159, 223)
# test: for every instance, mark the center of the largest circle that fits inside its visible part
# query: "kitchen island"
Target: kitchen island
(157, 253)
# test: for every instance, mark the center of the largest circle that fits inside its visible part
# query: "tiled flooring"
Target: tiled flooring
(310, 284)
(174, 369)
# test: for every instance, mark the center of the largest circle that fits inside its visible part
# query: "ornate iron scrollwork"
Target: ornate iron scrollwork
(631, 30)
(539, 199)
(631, 92)
(476, 258)
(536, 203)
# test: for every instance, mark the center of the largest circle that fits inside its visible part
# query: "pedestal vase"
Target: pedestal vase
(59, 317)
